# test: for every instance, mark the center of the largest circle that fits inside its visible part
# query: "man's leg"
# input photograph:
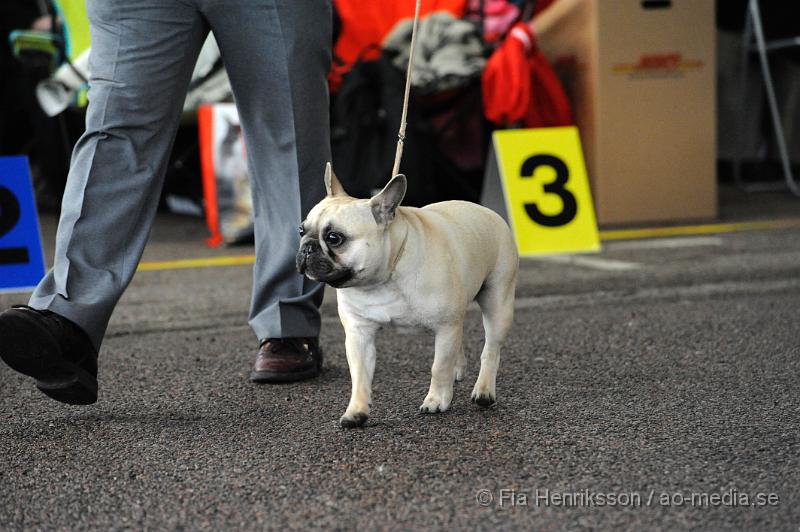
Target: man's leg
(141, 62)
(142, 57)
(278, 53)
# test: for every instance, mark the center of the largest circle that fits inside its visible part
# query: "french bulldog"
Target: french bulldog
(412, 267)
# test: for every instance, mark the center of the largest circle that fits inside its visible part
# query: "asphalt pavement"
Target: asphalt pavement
(653, 386)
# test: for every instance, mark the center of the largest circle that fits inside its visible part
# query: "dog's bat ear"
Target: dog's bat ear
(385, 203)
(332, 184)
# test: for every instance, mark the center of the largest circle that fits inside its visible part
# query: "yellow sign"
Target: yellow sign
(544, 190)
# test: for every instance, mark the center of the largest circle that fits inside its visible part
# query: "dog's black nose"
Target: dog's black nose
(302, 255)
(309, 247)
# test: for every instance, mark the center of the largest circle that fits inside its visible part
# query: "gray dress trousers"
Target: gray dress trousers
(277, 54)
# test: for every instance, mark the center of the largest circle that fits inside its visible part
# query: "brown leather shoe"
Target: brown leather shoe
(287, 360)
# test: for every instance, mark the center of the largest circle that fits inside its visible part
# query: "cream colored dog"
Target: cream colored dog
(412, 267)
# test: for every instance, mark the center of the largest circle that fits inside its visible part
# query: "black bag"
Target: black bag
(446, 137)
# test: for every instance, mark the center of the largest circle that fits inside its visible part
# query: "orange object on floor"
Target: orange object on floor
(205, 123)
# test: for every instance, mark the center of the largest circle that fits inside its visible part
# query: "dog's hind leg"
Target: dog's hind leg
(496, 300)
(448, 349)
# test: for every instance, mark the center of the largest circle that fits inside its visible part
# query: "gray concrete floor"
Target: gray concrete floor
(650, 372)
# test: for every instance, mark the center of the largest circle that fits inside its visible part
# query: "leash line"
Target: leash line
(401, 135)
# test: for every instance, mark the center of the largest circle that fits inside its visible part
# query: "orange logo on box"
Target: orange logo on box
(659, 64)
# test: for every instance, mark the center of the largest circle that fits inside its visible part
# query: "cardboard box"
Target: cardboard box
(641, 75)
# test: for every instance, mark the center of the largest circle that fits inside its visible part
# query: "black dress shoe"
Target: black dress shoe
(51, 349)
(287, 360)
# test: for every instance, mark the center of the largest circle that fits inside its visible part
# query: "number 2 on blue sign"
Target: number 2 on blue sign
(9, 216)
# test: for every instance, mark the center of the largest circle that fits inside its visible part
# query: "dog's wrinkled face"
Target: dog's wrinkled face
(344, 241)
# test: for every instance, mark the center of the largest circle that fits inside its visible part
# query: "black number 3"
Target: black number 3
(569, 204)
(9, 216)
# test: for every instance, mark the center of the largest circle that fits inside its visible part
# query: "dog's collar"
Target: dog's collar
(400, 251)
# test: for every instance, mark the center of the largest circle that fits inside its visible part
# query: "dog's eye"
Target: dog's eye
(334, 239)
(301, 230)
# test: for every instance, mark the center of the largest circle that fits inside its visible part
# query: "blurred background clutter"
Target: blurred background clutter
(672, 98)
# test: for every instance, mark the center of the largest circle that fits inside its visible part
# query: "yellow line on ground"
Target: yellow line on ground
(208, 262)
(618, 234)
(705, 229)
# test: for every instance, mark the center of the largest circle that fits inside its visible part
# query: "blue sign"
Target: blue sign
(21, 257)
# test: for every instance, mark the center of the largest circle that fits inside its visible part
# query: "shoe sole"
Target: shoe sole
(57, 378)
(262, 377)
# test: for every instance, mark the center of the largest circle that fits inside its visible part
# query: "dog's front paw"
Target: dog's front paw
(351, 421)
(483, 399)
(433, 404)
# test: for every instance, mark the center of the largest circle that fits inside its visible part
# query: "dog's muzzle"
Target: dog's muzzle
(306, 250)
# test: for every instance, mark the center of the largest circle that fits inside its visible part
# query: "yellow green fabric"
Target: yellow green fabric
(76, 26)
(76, 32)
